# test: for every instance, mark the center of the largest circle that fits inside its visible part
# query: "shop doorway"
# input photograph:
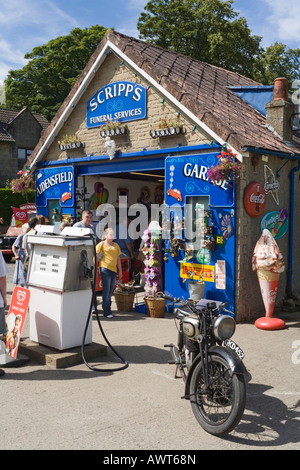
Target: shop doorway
(138, 188)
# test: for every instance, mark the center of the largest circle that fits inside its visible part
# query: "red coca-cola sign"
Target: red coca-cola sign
(254, 199)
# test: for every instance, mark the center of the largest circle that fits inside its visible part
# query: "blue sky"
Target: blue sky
(25, 24)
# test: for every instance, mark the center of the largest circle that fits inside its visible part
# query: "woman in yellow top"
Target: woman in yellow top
(110, 265)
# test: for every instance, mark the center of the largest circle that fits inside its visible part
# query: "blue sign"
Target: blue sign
(187, 176)
(209, 215)
(119, 101)
(55, 183)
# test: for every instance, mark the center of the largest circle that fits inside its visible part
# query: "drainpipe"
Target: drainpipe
(291, 230)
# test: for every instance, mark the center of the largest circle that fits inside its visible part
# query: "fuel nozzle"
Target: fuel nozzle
(86, 269)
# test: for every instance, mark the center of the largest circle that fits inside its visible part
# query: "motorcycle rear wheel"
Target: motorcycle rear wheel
(219, 408)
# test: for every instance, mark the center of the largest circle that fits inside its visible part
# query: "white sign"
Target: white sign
(220, 270)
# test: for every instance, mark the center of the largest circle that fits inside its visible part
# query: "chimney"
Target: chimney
(280, 109)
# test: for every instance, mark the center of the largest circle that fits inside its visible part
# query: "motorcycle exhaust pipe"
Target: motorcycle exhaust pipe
(177, 360)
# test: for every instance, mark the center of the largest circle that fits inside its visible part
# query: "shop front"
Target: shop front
(139, 133)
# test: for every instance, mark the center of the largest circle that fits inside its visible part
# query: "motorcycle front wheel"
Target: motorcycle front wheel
(219, 407)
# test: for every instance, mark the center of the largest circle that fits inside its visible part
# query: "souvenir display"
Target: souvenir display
(152, 252)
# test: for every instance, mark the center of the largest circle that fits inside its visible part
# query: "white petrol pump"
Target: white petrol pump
(60, 287)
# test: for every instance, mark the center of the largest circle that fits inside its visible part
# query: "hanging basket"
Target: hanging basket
(156, 306)
(124, 301)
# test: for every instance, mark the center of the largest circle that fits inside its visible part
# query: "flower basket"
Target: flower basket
(124, 301)
(156, 306)
(226, 170)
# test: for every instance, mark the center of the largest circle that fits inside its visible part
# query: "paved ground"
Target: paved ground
(140, 408)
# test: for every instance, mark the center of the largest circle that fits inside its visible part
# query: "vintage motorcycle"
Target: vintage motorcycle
(210, 363)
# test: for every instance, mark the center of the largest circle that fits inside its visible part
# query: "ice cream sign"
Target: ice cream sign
(119, 101)
(55, 183)
(276, 222)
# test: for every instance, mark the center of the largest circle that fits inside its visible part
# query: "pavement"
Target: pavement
(140, 407)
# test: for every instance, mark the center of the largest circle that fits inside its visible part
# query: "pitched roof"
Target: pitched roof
(7, 117)
(200, 89)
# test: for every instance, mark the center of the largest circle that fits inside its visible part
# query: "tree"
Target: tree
(207, 30)
(43, 84)
(278, 61)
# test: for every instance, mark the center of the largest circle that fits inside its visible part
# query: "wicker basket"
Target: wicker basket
(124, 301)
(156, 306)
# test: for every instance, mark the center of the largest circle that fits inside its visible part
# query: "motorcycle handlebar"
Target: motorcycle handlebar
(216, 310)
(171, 298)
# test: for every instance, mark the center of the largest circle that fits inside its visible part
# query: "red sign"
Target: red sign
(29, 207)
(15, 319)
(21, 216)
(254, 199)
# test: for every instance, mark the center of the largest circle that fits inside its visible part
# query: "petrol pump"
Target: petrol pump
(60, 288)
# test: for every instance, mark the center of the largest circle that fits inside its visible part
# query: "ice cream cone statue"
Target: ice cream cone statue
(268, 262)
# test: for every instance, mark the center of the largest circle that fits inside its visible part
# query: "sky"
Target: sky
(25, 24)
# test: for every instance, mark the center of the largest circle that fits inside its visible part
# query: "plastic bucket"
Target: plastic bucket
(196, 290)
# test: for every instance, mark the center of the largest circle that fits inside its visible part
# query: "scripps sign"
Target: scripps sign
(119, 101)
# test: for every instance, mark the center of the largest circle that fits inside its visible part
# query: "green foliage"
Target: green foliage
(8, 199)
(43, 84)
(212, 31)
(207, 30)
(278, 61)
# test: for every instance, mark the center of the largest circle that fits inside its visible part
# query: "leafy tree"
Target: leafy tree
(278, 61)
(207, 30)
(52, 70)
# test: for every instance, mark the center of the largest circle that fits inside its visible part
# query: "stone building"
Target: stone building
(178, 108)
(20, 131)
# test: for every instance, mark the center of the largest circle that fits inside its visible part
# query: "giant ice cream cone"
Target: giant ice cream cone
(267, 261)
(268, 282)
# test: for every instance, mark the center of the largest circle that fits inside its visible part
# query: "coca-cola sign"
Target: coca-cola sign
(254, 199)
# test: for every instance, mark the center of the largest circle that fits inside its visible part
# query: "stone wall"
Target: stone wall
(26, 132)
(139, 131)
(8, 162)
(248, 296)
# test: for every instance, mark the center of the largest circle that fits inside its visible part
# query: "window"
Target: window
(194, 221)
(23, 155)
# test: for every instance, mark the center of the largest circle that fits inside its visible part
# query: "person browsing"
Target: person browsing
(108, 252)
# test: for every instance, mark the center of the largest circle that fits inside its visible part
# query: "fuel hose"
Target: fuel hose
(93, 302)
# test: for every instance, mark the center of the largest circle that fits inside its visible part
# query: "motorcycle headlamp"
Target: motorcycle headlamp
(224, 327)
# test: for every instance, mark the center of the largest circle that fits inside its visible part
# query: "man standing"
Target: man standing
(3, 302)
(86, 220)
(123, 239)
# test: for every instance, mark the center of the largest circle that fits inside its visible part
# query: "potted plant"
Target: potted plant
(70, 142)
(227, 169)
(167, 127)
(113, 128)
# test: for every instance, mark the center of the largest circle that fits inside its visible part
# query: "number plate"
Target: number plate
(235, 348)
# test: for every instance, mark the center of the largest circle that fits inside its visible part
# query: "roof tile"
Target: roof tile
(200, 87)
